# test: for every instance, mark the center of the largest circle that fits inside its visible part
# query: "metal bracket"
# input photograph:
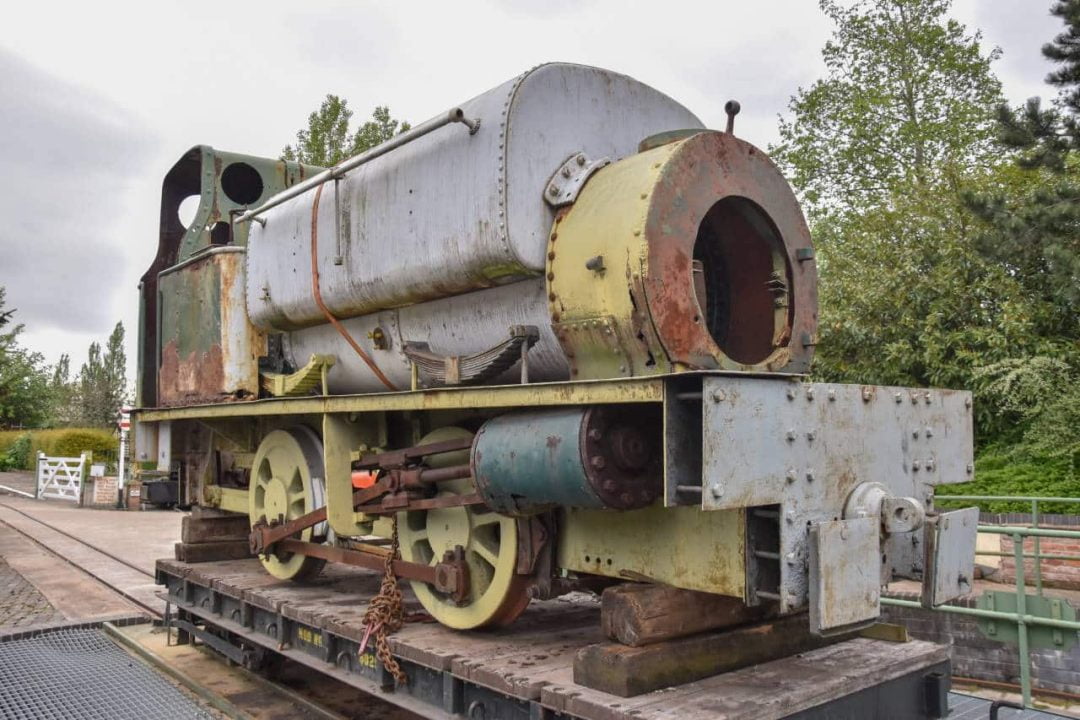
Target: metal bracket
(566, 183)
(1039, 636)
(949, 565)
(844, 580)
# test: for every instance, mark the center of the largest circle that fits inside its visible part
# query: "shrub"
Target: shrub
(69, 443)
(19, 455)
(1005, 471)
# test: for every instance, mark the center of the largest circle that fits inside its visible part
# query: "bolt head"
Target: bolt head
(791, 393)
(810, 436)
(832, 396)
(791, 475)
(719, 395)
(580, 159)
(598, 462)
(810, 476)
(553, 191)
(866, 394)
(716, 491)
(791, 436)
(809, 393)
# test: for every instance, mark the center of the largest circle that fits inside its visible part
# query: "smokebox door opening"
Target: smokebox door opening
(742, 280)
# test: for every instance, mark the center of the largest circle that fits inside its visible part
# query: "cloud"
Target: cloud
(68, 155)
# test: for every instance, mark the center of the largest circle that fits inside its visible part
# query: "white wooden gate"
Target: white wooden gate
(59, 477)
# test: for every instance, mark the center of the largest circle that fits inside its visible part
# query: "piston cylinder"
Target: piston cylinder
(585, 457)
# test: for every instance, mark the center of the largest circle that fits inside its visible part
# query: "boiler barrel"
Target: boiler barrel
(450, 212)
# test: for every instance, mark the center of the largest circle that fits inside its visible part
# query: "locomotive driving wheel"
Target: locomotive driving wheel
(287, 482)
(497, 594)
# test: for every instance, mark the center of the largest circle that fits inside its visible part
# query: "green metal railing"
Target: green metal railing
(1021, 618)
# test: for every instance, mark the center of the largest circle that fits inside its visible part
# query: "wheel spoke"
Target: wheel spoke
(486, 549)
(486, 518)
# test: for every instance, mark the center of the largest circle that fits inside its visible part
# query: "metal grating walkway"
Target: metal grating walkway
(969, 707)
(79, 673)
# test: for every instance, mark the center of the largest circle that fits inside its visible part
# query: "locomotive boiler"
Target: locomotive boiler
(554, 336)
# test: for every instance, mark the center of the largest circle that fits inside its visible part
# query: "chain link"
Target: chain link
(386, 612)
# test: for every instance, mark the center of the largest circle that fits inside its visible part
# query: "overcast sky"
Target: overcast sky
(99, 99)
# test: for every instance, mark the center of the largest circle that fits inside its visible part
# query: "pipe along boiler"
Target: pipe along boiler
(555, 337)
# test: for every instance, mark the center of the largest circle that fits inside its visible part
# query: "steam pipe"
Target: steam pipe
(457, 115)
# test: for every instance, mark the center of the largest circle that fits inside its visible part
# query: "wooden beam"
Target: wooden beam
(213, 529)
(639, 614)
(629, 671)
(212, 551)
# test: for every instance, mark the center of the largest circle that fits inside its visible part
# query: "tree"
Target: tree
(102, 382)
(907, 92)
(942, 262)
(1031, 227)
(885, 150)
(327, 141)
(24, 378)
(64, 394)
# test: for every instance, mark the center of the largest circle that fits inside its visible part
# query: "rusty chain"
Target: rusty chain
(386, 612)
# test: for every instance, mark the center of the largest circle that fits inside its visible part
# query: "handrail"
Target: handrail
(456, 115)
(1016, 498)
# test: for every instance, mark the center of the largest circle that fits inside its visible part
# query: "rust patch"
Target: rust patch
(701, 171)
(196, 378)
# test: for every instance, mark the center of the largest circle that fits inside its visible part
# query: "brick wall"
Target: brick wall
(1055, 573)
(975, 656)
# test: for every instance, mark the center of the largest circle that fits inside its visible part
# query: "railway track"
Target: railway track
(144, 600)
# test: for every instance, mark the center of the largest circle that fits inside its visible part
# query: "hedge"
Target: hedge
(63, 442)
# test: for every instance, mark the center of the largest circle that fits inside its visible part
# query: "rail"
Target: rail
(456, 115)
(1021, 618)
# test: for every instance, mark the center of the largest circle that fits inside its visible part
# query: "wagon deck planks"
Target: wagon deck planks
(532, 661)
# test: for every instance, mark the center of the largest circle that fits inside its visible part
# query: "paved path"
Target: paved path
(21, 604)
(133, 581)
(60, 591)
(21, 480)
(139, 538)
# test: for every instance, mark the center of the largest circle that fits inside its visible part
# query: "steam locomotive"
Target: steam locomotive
(557, 335)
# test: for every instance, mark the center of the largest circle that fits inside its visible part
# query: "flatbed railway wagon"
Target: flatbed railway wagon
(553, 341)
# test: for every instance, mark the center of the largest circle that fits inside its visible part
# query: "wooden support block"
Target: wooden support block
(629, 671)
(214, 529)
(639, 614)
(211, 551)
